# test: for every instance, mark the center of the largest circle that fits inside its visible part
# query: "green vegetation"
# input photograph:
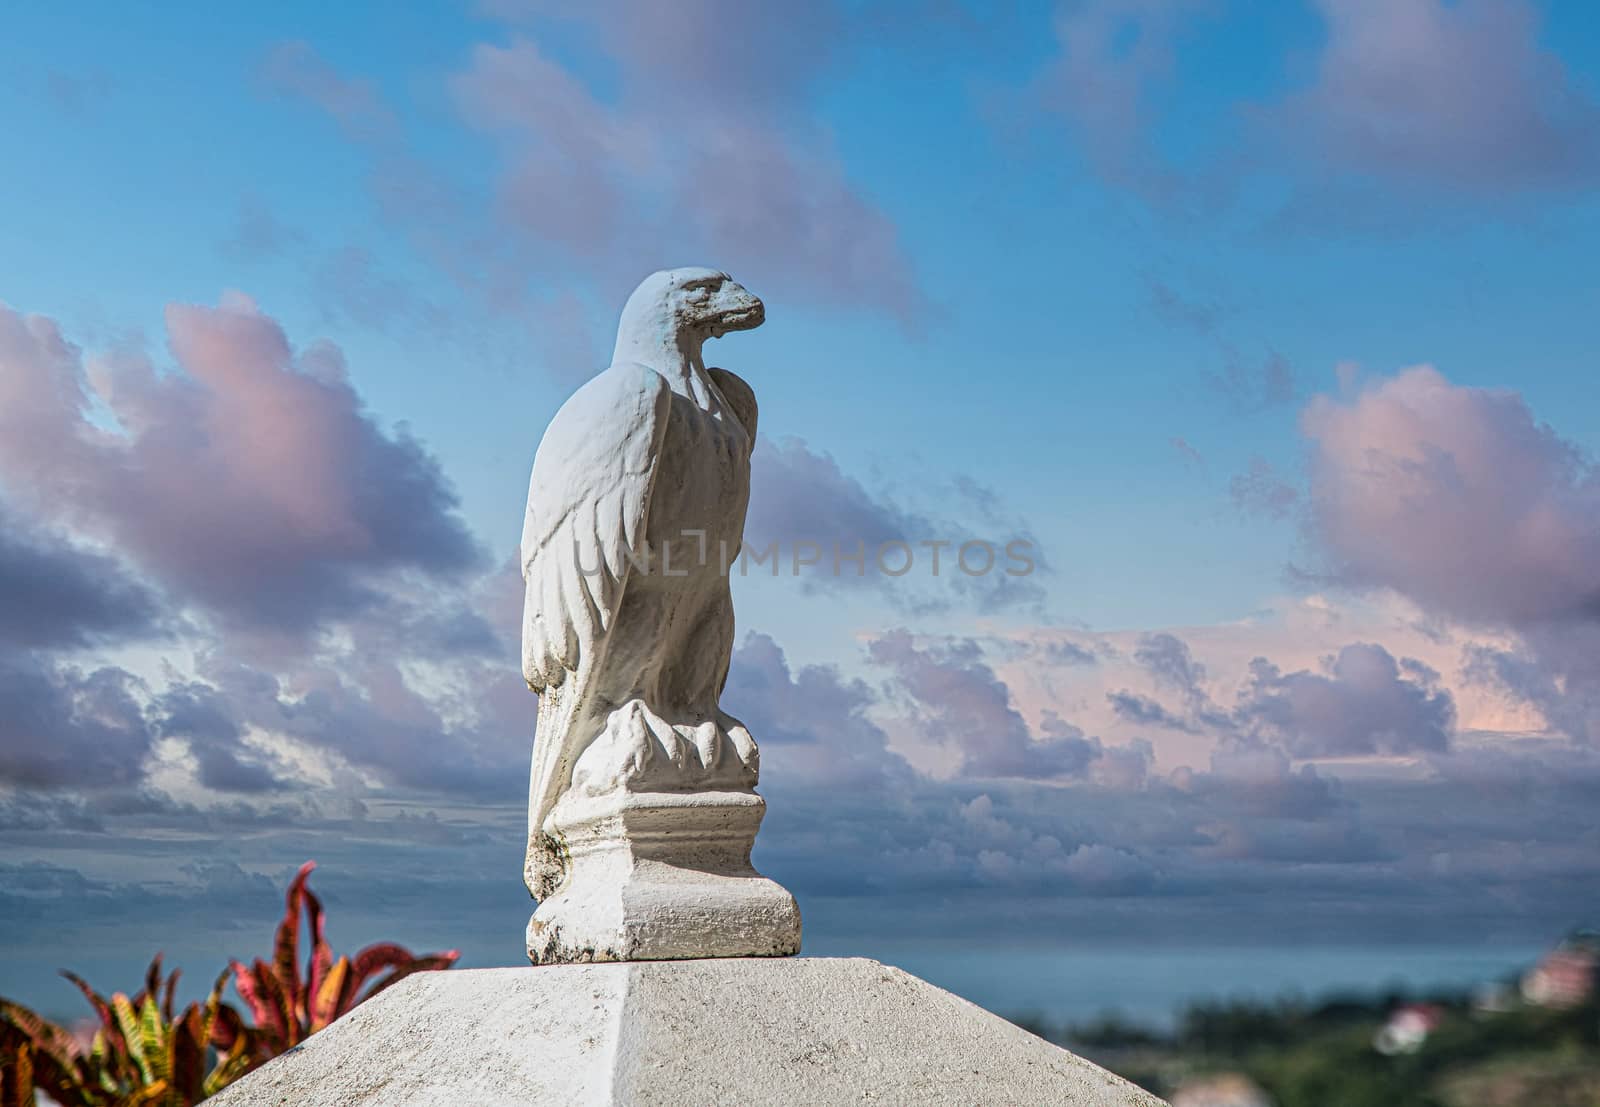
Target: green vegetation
(1322, 1055)
(142, 1055)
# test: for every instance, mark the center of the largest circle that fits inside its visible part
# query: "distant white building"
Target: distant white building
(1407, 1029)
(1565, 977)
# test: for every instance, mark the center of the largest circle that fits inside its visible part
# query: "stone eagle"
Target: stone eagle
(635, 508)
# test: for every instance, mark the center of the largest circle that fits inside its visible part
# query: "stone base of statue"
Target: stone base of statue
(658, 876)
(746, 1032)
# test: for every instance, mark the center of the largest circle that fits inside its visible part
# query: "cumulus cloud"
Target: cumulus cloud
(956, 699)
(1433, 91)
(253, 482)
(1365, 702)
(1457, 497)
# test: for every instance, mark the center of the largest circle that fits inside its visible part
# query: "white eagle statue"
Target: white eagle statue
(635, 510)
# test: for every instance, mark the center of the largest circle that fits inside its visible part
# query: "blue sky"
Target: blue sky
(1146, 281)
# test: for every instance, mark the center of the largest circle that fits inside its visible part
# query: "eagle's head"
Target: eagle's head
(702, 303)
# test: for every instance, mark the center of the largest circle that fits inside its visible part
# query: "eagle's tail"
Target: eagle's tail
(545, 866)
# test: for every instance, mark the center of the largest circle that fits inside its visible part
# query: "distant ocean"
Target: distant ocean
(1150, 985)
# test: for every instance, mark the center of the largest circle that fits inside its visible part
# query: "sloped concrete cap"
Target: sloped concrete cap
(814, 1031)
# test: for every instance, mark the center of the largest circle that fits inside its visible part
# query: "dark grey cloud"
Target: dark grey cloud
(1169, 659)
(1498, 839)
(199, 714)
(57, 595)
(1144, 711)
(64, 727)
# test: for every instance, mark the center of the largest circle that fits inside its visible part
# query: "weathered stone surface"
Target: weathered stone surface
(662, 875)
(814, 1031)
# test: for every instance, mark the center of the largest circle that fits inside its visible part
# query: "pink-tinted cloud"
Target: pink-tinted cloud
(66, 727)
(1459, 93)
(682, 48)
(1364, 702)
(955, 698)
(686, 161)
(1456, 497)
(252, 482)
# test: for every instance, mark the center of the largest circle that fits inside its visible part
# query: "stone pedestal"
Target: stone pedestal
(659, 876)
(823, 1032)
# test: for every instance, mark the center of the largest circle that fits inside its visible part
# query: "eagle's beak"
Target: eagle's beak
(737, 310)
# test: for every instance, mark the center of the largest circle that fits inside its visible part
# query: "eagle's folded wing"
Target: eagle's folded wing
(588, 502)
(741, 398)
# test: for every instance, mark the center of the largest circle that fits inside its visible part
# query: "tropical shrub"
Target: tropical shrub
(140, 1055)
(143, 1056)
(289, 1006)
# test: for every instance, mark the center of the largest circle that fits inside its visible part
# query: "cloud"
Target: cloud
(296, 69)
(798, 493)
(1113, 55)
(252, 483)
(1144, 711)
(955, 699)
(1457, 497)
(813, 724)
(258, 234)
(200, 714)
(59, 595)
(1259, 491)
(1433, 92)
(1406, 110)
(1169, 660)
(801, 496)
(1251, 387)
(64, 727)
(686, 162)
(1555, 667)
(1365, 702)
(682, 51)
(1192, 458)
